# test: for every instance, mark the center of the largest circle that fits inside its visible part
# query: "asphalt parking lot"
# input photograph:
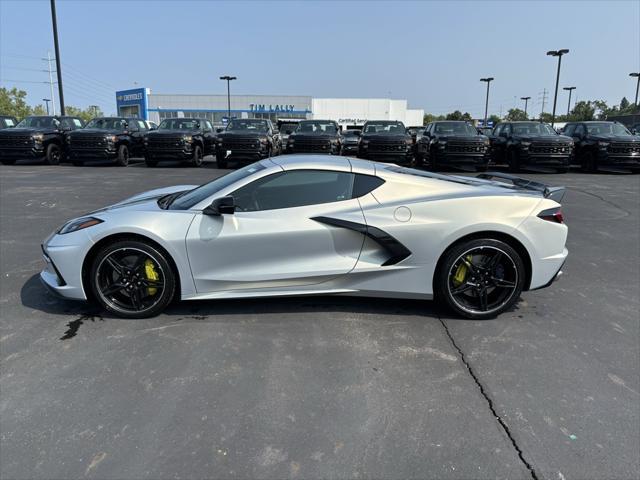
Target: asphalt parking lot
(319, 387)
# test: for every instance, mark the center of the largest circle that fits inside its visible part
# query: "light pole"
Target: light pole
(637, 75)
(47, 100)
(526, 101)
(486, 103)
(569, 89)
(556, 53)
(228, 79)
(54, 23)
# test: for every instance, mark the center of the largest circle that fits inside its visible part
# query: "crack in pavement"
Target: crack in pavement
(486, 396)
(609, 202)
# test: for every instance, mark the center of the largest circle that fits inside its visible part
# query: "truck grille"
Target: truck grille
(385, 147)
(241, 143)
(167, 143)
(624, 148)
(16, 141)
(87, 142)
(465, 147)
(549, 148)
(311, 145)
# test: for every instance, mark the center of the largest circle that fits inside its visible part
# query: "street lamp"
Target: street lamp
(228, 79)
(526, 101)
(637, 75)
(569, 89)
(556, 53)
(47, 100)
(486, 103)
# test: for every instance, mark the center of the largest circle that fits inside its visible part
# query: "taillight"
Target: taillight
(552, 215)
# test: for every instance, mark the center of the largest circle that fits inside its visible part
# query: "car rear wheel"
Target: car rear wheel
(480, 278)
(196, 161)
(132, 279)
(123, 156)
(54, 153)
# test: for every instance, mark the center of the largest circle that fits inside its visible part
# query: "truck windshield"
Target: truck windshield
(385, 128)
(195, 196)
(317, 127)
(248, 125)
(606, 128)
(532, 129)
(39, 122)
(179, 124)
(455, 129)
(107, 124)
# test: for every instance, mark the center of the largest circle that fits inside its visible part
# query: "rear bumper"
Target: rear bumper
(547, 270)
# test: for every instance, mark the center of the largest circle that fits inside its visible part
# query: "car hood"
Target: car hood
(544, 138)
(29, 131)
(145, 200)
(95, 131)
(615, 138)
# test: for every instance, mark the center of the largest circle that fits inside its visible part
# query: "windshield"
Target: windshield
(607, 129)
(288, 126)
(455, 129)
(351, 133)
(385, 128)
(179, 124)
(39, 122)
(108, 124)
(248, 125)
(317, 128)
(532, 129)
(195, 196)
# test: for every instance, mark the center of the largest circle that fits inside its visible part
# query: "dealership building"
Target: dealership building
(141, 102)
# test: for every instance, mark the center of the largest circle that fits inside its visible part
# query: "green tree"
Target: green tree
(624, 104)
(86, 114)
(39, 110)
(494, 118)
(545, 117)
(430, 117)
(12, 102)
(582, 111)
(515, 115)
(458, 115)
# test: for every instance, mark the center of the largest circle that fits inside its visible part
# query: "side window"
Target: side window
(568, 130)
(142, 126)
(498, 129)
(207, 126)
(71, 123)
(506, 130)
(580, 131)
(364, 184)
(294, 188)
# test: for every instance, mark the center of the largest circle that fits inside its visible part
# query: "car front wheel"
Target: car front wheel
(123, 156)
(54, 153)
(132, 279)
(480, 278)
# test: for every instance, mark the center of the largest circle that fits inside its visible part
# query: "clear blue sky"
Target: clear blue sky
(431, 53)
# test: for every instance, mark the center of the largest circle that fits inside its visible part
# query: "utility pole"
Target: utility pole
(53, 97)
(569, 89)
(637, 75)
(47, 100)
(54, 23)
(544, 101)
(228, 79)
(556, 53)
(526, 101)
(488, 80)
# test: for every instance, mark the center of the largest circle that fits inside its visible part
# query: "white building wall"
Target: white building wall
(356, 111)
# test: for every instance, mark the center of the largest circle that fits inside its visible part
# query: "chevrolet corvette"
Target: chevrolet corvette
(316, 225)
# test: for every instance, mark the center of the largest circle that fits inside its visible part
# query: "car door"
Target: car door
(208, 137)
(579, 135)
(272, 239)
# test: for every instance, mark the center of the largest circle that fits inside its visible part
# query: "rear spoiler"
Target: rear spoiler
(554, 193)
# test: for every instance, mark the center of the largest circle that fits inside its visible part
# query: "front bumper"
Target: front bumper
(400, 156)
(178, 153)
(63, 256)
(30, 152)
(93, 153)
(606, 159)
(528, 157)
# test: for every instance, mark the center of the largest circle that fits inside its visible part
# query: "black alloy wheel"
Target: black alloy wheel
(196, 160)
(132, 279)
(54, 154)
(481, 278)
(123, 156)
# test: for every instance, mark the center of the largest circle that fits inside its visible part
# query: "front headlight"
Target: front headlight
(364, 142)
(110, 138)
(79, 224)
(604, 145)
(38, 137)
(264, 141)
(187, 138)
(525, 144)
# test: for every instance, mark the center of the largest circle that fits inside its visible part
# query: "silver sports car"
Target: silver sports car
(316, 225)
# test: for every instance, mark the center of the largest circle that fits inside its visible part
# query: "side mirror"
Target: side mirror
(221, 206)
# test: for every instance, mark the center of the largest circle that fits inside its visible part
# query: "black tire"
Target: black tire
(123, 156)
(221, 162)
(482, 168)
(589, 164)
(123, 283)
(433, 160)
(53, 155)
(150, 161)
(196, 160)
(8, 161)
(513, 161)
(472, 285)
(77, 162)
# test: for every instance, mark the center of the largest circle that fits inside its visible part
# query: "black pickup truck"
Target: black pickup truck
(386, 140)
(186, 139)
(247, 140)
(453, 144)
(109, 138)
(7, 121)
(530, 144)
(604, 146)
(315, 136)
(37, 137)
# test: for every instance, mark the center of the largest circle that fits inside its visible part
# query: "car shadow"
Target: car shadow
(35, 296)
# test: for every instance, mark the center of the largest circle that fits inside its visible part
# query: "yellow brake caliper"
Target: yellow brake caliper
(151, 274)
(461, 272)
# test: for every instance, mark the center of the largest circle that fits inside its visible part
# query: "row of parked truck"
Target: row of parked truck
(590, 145)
